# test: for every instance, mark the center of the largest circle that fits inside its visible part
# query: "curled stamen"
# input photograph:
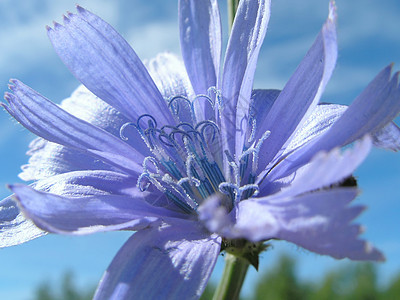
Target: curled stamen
(165, 138)
(149, 175)
(183, 124)
(152, 123)
(151, 136)
(192, 181)
(140, 180)
(154, 162)
(173, 104)
(227, 187)
(183, 133)
(205, 97)
(123, 128)
(207, 124)
(247, 187)
(176, 99)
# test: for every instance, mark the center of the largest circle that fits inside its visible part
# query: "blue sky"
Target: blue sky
(368, 41)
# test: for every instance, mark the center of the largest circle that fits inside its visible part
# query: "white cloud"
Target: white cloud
(150, 39)
(22, 29)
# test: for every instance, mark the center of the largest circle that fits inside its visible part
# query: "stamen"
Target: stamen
(207, 124)
(175, 108)
(254, 150)
(182, 191)
(189, 165)
(227, 187)
(152, 123)
(191, 181)
(123, 128)
(253, 131)
(183, 165)
(147, 174)
(172, 100)
(203, 97)
(217, 93)
(249, 187)
(265, 135)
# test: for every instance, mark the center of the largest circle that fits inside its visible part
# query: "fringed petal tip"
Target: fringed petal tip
(56, 26)
(66, 18)
(373, 253)
(396, 76)
(80, 9)
(332, 11)
(14, 196)
(8, 97)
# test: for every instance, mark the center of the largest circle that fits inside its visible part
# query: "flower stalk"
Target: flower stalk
(232, 8)
(232, 279)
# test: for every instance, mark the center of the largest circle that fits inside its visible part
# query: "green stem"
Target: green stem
(232, 279)
(232, 8)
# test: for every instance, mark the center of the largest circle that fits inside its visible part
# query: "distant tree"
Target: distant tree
(328, 288)
(393, 290)
(281, 283)
(44, 292)
(356, 281)
(352, 282)
(66, 291)
(364, 283)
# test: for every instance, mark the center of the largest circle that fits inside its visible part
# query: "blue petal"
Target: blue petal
(90, 183)
(326, 169)
(320, 221)
(88, 214)
(166, 262)
(261, 103)
(84, 105)
(169, 74)
(319, 121)
(15, 229)
(244, 44)
(200, 36)
(105, 63)
(301, 94)
(372, 110)
(50, 159)
(388, 137)
(47, 120)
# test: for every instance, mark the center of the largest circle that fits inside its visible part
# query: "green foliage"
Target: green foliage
(356, 281)
(66, 290)
(281, 283)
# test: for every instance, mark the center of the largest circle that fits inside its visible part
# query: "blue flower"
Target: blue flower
(191, 157)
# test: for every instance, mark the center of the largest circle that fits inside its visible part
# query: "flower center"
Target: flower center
(187, 158)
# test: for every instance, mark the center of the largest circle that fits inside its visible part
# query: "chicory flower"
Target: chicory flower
(191, 157)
